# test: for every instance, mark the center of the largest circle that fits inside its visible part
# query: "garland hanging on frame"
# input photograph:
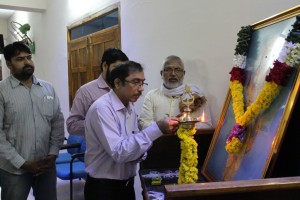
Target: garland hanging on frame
(277, 78)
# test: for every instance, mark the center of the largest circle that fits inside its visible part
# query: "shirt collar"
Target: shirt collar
(117, 103)
(102, 83)
(15, 82)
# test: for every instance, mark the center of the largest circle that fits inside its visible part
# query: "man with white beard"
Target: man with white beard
(165, 101)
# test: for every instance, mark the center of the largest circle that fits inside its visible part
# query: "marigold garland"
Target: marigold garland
(277, 78)
(188, 171)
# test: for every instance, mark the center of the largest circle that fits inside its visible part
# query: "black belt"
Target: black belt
(111, 182)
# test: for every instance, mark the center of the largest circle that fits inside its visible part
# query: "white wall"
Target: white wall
(3, 31)
(28, 5)
(3, 28)
(203, 33)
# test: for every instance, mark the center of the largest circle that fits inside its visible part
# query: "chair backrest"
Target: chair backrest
(74, 139)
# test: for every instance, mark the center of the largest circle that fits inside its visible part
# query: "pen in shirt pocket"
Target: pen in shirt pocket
(134, 132)
(46, 98)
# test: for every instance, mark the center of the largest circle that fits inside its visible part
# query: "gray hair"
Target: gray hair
(172, 58)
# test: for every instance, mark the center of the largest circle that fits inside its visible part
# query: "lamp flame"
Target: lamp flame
(203, 117)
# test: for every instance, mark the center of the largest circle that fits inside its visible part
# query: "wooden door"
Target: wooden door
(78, 65)
(85, 57)
(99, 41)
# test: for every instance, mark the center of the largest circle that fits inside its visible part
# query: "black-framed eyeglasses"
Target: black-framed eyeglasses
(176, 70)
(137, 82)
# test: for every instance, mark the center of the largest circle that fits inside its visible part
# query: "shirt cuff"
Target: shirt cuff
(54, 150)
(17, 161)
(153, 131)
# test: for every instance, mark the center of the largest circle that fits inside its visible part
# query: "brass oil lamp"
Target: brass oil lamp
(186, 120)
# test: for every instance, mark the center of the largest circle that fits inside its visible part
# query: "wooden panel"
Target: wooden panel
(273, 188)
(78, 65)
(99, 41)
(97, 52)
(109, 34)
(85, 56)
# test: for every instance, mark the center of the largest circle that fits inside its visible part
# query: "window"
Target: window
(95, 25)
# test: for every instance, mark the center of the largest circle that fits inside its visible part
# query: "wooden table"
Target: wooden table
(163, 159)
(286, 188)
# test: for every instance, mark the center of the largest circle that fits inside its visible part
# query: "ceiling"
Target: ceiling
(5, 14)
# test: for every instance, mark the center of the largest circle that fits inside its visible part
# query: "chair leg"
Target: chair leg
(71, 189)
(71, 180)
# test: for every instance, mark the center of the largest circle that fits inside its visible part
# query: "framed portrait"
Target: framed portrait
(265, 133)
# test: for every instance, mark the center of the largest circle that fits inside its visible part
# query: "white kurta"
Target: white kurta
(157, 105)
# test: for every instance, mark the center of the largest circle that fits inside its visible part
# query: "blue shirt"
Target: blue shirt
(114, 143)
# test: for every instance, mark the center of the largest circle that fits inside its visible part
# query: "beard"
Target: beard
(25, 74)
(172, 85)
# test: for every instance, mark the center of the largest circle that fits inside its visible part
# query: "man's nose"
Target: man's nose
(27, 60)
(141, 88)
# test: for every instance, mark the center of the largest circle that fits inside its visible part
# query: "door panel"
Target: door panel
(85, 56)
(78, 65)
(108, 38)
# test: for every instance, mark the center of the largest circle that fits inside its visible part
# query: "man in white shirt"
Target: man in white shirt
(165, 101)
(115, 145)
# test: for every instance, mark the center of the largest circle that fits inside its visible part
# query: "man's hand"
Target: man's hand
(33, 166)
(38, 167)
(49, 160)
(168, 125)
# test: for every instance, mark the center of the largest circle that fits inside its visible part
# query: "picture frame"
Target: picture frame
(266, 132)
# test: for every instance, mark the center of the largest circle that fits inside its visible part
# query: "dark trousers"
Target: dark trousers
(108, 189)
(17, 187)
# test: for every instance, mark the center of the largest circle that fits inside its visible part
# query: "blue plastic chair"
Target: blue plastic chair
(75, 168)
(73, 146)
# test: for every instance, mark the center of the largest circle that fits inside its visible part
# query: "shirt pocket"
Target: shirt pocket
(47, 104)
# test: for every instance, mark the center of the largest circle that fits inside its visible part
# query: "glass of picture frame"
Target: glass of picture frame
(266, 132)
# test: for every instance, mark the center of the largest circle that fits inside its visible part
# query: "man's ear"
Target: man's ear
(8, 64)
(161, 72)
(118, 83)
(104, 66)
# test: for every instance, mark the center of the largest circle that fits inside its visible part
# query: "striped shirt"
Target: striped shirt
(31, 123)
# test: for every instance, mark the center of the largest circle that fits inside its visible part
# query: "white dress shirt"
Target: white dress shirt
(157, 105)
(114, 143)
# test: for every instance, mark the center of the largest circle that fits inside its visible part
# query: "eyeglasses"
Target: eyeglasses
(137, 82)
(176, 70)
